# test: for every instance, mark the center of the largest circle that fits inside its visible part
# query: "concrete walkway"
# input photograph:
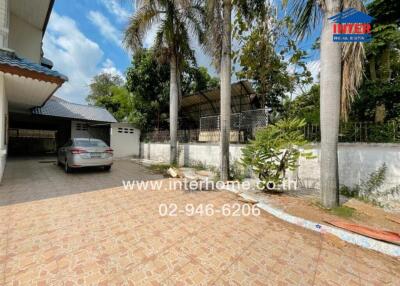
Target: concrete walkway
(117, 237)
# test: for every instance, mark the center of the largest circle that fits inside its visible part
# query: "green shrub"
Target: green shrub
(349, 192)
(275, 150)
(374, 181)
(198, 165)
(159, 168)
(237, 171)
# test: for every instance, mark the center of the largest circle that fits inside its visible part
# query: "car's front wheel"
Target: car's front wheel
(107, 168)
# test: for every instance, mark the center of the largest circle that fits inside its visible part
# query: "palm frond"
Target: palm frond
(307, 14)
(139, 24)
(195, 16)
(160, 49)
(214, 29)
(353, 59)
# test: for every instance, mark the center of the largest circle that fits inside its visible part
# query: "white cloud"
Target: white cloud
(109, 67)
(74, 55)
(108, 30)
(114, 7)
(314, 67)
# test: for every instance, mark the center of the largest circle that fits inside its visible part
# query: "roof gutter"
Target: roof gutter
(46, 21)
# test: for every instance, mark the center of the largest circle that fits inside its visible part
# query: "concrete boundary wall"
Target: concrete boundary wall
(356, 160)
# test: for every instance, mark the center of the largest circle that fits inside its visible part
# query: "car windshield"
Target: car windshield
(90, 143)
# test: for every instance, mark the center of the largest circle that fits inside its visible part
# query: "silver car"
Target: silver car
(85, 152)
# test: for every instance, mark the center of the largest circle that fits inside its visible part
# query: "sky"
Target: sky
(84, 38)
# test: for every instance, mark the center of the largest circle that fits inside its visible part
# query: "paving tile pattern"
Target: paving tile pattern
(117, 237)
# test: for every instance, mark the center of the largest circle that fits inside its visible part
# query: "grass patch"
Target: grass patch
(198, 165)
(343, 211)
(340, 211)
(159, 168)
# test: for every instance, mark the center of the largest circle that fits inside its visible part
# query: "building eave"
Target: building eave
(12, 64)
(31, 74)
(46, 21)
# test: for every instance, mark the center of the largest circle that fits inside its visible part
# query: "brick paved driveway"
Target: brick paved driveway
(31, 179)
(117, 237)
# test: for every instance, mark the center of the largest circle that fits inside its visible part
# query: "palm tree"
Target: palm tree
(174, 19)
(218, 44)
(341, 74)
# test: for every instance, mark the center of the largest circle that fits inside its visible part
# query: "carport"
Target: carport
(44, 129)
(36, 135)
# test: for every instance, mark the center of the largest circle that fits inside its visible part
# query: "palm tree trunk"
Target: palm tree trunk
(173, 110)
(225, 76)
(179, 84)
(372, 68)
(330, 108)
(385, 73)
(385, 64)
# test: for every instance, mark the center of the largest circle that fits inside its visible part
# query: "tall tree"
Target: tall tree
(173, 20)
(148, 81)
(218, 44)
(383, 50)
(101, 91)
(267, 54)
(341, 74)
(226, 67)
(306, 105)
(196, 79)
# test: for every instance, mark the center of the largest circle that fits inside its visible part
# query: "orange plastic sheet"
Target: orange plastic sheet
(388, 236)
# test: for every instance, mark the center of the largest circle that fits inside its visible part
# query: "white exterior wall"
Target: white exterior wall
(25, 39)
(190, 153)
(3, 126)
(356, 161)
(156, 151)
(4, 23)
(124, 140)
(79, 129)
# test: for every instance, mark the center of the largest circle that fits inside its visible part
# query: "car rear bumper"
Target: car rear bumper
(77, 162)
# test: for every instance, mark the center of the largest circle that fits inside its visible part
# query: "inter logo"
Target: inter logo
(351, 25)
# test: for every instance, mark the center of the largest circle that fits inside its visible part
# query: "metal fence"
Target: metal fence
(245, 120)
(244, 130)
(364, 132)
(184, 136)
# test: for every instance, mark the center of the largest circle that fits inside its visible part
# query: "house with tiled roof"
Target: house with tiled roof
(32, 119)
